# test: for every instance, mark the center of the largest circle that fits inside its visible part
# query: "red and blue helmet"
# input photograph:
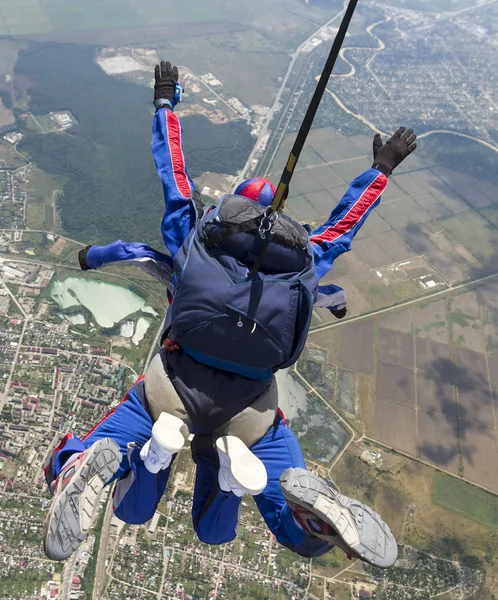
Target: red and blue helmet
(258, 189)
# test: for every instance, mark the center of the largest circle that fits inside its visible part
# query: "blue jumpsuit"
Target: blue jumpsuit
(215, 513)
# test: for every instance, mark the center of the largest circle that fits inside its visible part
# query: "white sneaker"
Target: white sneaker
(241, 472)
(167, 439)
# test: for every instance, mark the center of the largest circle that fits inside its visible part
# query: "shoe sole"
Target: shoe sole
(246, 468)
(360, 531)
(70, 515)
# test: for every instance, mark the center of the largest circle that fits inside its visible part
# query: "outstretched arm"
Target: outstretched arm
(170, 161)
(151, 261)
(336, 235)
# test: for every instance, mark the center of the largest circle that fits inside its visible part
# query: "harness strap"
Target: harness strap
(196, 200)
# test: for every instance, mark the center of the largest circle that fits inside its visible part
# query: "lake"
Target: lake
(108, 303)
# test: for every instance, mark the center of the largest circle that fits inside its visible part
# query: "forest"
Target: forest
(112, 191)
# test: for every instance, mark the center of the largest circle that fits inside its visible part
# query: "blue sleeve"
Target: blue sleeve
(151, 261)
(123, 252)
(335, 236)
(179, 215)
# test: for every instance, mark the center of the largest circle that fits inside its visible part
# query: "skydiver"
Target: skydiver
(241, 443)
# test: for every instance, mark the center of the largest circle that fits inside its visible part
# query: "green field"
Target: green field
(463, 228)
(91, 14)
(235, 61)
(25, 17)
(39, 217)
(464, 499)
(283, 19)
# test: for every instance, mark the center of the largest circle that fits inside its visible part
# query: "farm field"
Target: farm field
(465, 499)
(425, 509)
(425, 379)
(139, 20)
(428, 233)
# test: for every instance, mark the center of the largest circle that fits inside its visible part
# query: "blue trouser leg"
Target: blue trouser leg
(215, 514)
(279, 450)
(137, 494)
(128, 422)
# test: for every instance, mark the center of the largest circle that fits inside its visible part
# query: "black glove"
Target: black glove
(82, 258)
(389, 155)
(166, 82)
(339, 313)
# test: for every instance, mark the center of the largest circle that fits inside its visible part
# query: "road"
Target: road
(381, 311)
(276, 104)
(69, 571)
(102, 555)
(4, 396)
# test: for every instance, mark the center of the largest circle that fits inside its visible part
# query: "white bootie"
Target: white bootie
(241, 472)
(167, 439)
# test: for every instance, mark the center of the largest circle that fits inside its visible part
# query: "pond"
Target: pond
(108, 303)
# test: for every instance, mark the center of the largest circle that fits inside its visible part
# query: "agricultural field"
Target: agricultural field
(123, 21)
(234, 61)
(425, 380)
(464, 499)
(42, 191)
(431, 231)
(427, 510)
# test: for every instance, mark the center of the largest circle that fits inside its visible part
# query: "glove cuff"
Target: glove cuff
(382, 168)
(82, 254)
(163, 103)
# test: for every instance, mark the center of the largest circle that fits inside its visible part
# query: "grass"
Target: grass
(431, 527)
(39, 209)
(92, 14)
(461, 319)
(465, 499)
(39, 216)
(61, 16)
(232, 63)
(491, 214)
(43, 184)
(329, 564)
(474, 233)
(8, 154)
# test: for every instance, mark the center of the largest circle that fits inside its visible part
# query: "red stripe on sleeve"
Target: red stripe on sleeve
(176, 152)
(355, 213)
(62, 443)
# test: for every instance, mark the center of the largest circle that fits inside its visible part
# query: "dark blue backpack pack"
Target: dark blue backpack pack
(223, 317)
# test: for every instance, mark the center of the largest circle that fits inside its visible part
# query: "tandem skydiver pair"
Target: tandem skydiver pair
(229, 329)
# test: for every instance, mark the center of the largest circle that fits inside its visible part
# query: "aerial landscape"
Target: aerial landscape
(397, 403)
